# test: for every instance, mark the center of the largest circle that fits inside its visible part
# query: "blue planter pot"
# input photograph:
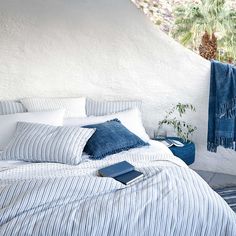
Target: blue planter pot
(186, 153)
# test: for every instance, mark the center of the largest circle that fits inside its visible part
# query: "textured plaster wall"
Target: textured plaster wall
(104, 49)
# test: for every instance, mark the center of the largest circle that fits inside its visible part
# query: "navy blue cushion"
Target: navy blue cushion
(109, 138)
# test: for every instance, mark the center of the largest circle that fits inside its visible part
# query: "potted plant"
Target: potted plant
(173, 118)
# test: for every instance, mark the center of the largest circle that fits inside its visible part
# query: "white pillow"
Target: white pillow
(74, 107)
(8, 122)
(131, 119)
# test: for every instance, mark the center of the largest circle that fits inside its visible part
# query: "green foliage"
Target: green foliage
(229, 41)
(192, 20)
(183, 129)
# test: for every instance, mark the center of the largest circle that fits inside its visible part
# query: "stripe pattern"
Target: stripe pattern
(11, 107)
(100, 108)
(229, 195)
(74, 107)
(170, 200)
(46, 143)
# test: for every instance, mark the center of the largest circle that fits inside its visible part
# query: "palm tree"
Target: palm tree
(208, 46)
(208, 27)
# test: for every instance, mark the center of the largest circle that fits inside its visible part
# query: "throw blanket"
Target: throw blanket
(222, 107)
(56, 199)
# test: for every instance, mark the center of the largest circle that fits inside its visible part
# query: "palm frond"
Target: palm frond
(211, 16)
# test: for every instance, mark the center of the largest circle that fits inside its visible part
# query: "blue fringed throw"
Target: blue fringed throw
(222, 107)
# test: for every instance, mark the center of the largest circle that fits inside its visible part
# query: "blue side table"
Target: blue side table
(186, 153)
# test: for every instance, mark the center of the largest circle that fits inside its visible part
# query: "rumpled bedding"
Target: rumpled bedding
(58, 199)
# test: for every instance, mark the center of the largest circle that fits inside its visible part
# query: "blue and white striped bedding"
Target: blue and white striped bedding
(101, 108)
(92, 107)
(57, 199)
(46, 143)
(10, 107)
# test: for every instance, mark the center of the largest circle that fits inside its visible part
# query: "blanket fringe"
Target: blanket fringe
(228, 110)
(221, 141)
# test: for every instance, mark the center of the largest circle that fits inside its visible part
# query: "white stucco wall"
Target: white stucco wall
(105, 49)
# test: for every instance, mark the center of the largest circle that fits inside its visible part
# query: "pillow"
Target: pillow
(74, 107)
(131, 119)
(111, 137)
(101, 108)
(9, 122)
(11, 107)
(45, 143)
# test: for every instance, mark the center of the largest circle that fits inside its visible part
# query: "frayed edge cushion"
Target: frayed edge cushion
(98, 157)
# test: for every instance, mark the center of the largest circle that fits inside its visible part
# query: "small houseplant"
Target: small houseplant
(173, 118)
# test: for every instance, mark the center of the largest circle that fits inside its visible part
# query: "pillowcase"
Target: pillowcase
(74, 107)
(101, 108)
(131, 119)
(11, 107)
(9, 122)
(111, 137)
(45, 143)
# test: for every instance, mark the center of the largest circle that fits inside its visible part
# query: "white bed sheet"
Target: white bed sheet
(4, 165)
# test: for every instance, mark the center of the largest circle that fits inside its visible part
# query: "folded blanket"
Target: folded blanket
(222, 107)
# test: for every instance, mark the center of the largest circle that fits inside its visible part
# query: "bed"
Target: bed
(56, 196)
(58, 199)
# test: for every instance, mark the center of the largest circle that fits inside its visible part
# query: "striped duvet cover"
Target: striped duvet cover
(56, 199)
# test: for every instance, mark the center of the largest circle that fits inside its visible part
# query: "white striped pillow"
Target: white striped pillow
(11, 107)
(74, 107)
(45, 143)
(101, 108)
